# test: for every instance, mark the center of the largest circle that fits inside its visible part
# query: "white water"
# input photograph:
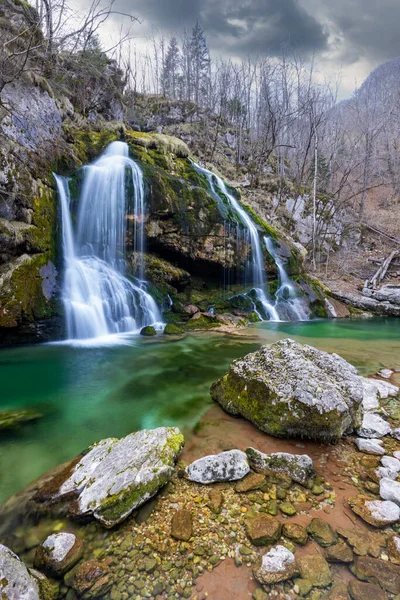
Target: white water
(99, 300)
(287, 300)
(257, 258)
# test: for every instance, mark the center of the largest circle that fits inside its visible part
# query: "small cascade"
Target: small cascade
(98, 298)
(257, 266)
(288, 304)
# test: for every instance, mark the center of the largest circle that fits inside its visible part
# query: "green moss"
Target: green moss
(203, 322)
(148, 331)
(171, 329)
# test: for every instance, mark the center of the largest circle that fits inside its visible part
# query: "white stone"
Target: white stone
(370, 446)
(391, 463)
(19, 583)
(384, 511)
(385, 389)
(385, 373)
(373, 426)
(299, 467)
(396, 433)
(226, 466)
(59, 544)
(116, 476)
(370, 398)
(277, 560)
(390, 490)
(382, 472)
(396, 454)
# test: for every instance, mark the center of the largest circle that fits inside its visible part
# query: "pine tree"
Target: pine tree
(170, 71)
(200, 65)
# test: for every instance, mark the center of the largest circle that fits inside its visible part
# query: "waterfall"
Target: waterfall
(258, 280)
(98, 298)
(288, 304)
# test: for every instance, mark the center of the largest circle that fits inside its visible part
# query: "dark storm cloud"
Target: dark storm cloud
(238, 27)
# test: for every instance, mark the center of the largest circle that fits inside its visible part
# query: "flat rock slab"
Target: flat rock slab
(293, 390)
(182, 525)
(226, 466)
(17, 582)
(116, 476)
(299, 467)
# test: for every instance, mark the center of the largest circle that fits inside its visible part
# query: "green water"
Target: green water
(86, 394)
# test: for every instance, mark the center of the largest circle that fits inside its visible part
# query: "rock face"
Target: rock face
(58, 553)
(299, 467)
(278, 564)
(226, 466)
(116, 476)
(366, 591)
(17, 583)
(293, 390)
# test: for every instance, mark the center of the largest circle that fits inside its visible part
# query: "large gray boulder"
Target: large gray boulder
(17, 582)
(225, 466)
(293, 390)
(116, 476)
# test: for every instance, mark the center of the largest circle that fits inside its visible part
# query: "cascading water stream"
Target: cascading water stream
(287, 300)
(98, 298)
(257, 258)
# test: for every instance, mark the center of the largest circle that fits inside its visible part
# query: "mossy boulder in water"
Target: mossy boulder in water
(10, 419)
(293, 390)
(148, 331)
(171, 329)
(116, 476)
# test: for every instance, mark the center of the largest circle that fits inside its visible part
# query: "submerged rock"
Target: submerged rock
(293, 390)
(182, 525)
(295, 532)
(263, 529)
(299, 467)
(375, 512)
(277, 565)
(17, 582)
(10, 419)
(366, 591)
(315, 568)
(90, 580)
(58, 553)
(226, 466)
(380, 572)
(370, 446)
(116, 476)
(322, 532)
(393, 547)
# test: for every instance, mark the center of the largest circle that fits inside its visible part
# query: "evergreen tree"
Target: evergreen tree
(170, 71)
(200, 65)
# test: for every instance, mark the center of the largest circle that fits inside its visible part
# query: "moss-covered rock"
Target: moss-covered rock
(171, 329)
(148, 331)
(10, 419)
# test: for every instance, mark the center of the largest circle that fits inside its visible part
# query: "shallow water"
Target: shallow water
(88, 393)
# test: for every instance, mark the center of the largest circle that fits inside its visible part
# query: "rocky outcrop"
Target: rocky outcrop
(116, 476)
(387, 305)
(18, 582)
(293, 390)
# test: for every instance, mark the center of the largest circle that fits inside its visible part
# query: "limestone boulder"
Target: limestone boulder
(225, 466)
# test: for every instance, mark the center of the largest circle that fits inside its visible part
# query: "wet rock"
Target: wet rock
(182, 525)
(373, 426)
(299, 467)
(17, 582)
(390, 490)
(393, 548)
(302, 586)
(287, 508)
(315, 568)
(116, 476)
(277, 565)
(58, 553)
(293, 390)
(295, 532)
(226, 466)
(148, 331)
(375, 512)
(263, 529)
(338, 592)
(90, 580)
(370, 446)
(252, 481)
(339, 553)
(366, 591)
(322, 533)
(380, 572)
(215, 501)
(363, 542)
(172, 329)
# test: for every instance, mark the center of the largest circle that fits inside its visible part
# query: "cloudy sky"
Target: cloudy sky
(350, 36)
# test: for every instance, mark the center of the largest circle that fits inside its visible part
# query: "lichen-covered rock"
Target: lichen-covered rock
(373, 426)
(90, 580)
(315, 568)
(293, 390)
(58, 553)
(116, 476)
(263, 529)
(375, 512)
(380, 572)
(277, 565)
(366, 591)
(390, 490)
(295, 532)
(370, 446)
(182, 525)
(299, 467)
(322, 532)
(226, 466)
(17, 582)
